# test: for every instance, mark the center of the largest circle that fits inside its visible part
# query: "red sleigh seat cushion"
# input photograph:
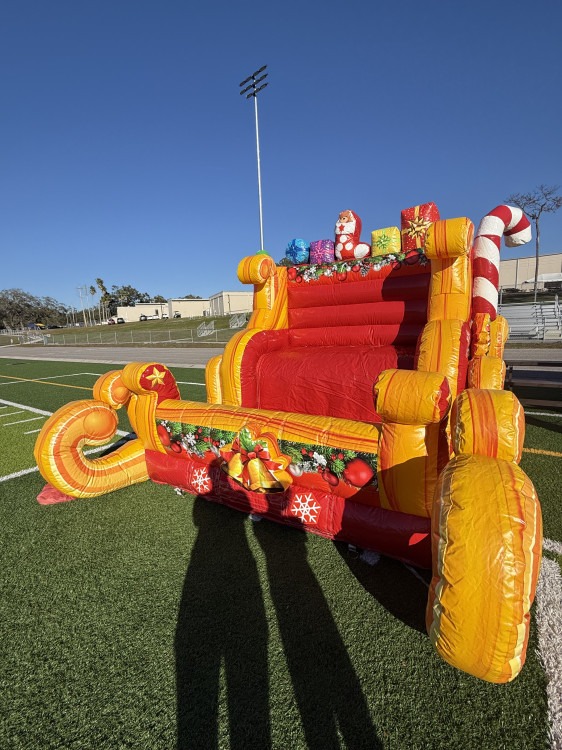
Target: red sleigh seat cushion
(334, 381)
(343, 332)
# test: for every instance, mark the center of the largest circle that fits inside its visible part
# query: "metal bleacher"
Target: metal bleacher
(538, 321)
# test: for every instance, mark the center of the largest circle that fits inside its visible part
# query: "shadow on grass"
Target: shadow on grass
(326, 687)
(222, 624)
(545, 424)
(395, 587)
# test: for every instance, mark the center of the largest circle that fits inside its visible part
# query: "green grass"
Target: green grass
(131, 618)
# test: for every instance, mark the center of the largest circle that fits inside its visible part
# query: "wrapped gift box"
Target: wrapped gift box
(415, 223)
(385, 241)
(322, 251)
(298, 251)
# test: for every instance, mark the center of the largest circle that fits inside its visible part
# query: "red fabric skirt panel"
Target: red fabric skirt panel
(398, 334)
(398, 535)
(327, 380)
(409, 282)
(360, 314)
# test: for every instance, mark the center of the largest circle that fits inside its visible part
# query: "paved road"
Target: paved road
(533, 356)
(198, 356)
(114, 355)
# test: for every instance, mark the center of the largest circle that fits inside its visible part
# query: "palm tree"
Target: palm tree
(104, 294)
(92, 316)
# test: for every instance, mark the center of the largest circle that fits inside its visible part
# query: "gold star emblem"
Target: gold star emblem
(418, 227)
(157, 377)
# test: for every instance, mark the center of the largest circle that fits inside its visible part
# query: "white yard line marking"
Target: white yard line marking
(33, 410)
(32, 432)
(544, 414)
(11, 413)
(550, 545)
(23, 472)
(33, 419)
(184, 382)
(17, 474)
(549, 627)
(53, 377)
(27, 408)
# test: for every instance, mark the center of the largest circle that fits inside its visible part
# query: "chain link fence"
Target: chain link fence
(117, 336)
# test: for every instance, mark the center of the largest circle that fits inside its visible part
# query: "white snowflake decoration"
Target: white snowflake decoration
(306, 508)
(319, 460)
(201, 481)
(188, 442)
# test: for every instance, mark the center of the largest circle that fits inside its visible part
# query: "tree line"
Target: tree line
(20, 309)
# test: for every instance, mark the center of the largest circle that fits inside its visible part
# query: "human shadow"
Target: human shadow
(221, 624)
(326, 687)
(400, 589)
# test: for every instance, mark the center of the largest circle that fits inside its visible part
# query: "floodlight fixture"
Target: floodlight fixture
(254, 91)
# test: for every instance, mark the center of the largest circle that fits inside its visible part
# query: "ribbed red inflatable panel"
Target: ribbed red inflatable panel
(360, 314)
(327, 380)
(409, 283)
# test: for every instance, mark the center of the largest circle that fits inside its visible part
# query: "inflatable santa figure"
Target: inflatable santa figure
(348, 237)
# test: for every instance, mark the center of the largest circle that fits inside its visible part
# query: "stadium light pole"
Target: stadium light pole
(252, 91)
(81, 291)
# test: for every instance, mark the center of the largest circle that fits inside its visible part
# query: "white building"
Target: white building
(188, 308)
(228, 303)
(519, 273)
(222, 303)
(152, 309)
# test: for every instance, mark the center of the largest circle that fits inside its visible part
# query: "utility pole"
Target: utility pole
(254, 90)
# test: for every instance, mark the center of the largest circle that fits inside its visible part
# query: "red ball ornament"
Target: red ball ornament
(163, 434)
(292, 273)
(176, 447)
(330, 478)
(358, 472)
(342, 275)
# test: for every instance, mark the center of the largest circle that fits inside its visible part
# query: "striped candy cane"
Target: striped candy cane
(510, 222)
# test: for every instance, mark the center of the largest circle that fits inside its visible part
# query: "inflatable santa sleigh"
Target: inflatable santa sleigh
(363, 402)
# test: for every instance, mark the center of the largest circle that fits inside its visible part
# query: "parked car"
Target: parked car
(164, 316)
(143, 317)
(177, 314)
(120, 320)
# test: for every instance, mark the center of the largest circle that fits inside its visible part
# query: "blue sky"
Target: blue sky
(128, 154)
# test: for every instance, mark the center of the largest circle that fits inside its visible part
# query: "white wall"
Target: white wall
(188, 308)
(227, 303)
(515, 271)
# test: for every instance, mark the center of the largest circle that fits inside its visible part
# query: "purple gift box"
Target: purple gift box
(321, 251)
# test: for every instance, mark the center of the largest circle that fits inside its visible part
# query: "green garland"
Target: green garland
(310, 457)
(198, 439)
(363, 267)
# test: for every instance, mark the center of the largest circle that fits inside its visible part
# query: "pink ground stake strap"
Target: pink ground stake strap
(510, 222)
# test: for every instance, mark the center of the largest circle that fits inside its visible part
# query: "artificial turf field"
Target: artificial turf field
(148, 619)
